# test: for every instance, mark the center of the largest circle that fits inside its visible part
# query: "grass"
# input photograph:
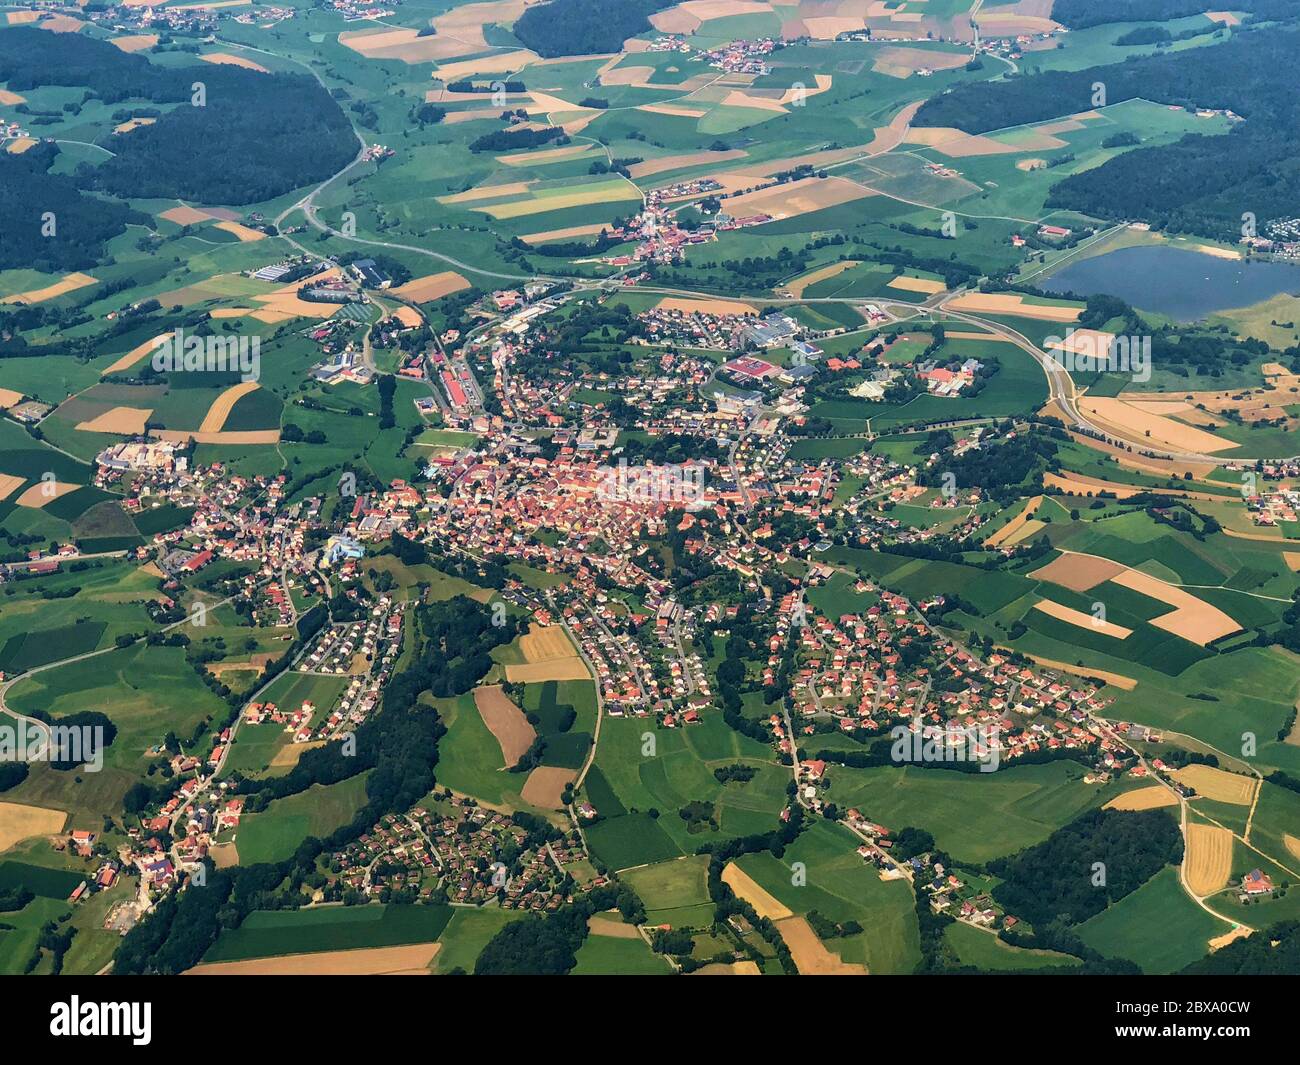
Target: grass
(670, 885)
(273, 933)
(842, 887)
(973, 816)
(615, 956)
(1158, 927)
(986, 951)
(275, 833)
(633, 839)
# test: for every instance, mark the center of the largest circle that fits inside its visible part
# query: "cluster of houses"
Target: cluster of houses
(471, 854)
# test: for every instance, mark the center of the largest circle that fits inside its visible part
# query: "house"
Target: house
(1257, 883)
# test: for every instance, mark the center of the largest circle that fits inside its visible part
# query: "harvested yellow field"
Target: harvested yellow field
(602, 192)
(1238, 932)
(1019, 527)
(135, 355)
(1192, 619)
(1217, 784)
(1292, 844)
(136, 42)
(673, 109)
(735, 968)
(795, 198)
(226, 59)
(10, 98)
(63, 24)
(501, 63)
(505, 721)
(466, 23)
(252, 436)
(487, 192)
(1208, 861)
(545, 786)
(893, 58)
(431, 287)
(611, 925)
(19, 822)
(9, 484)
(1078, 572)
(556, 669)
(244, 233)
(545, 643)
(1081, 620)
(810, 953)
(404, 45)
(570, 233)
(39, 495)
(20, 144)
(124, 421)
(471, 114)
(824, 27)
(1075, 484)
(21, 18)
(992, 338)
(185, 215)
(737, 98)
(1091, 342)
(543, 158)
(221, 407)
(287, 756)
(133, 123)
(704, 306)
(409, 317)
(916, 284)
(1120, 681)
(1015, 305)
(800, 285)
(69, 283)
(8, 397)
(412, 960)
(1155, 797)
(1127, 420)
(748, 889)
(957, 144)
(1292, 560)
(650, 167)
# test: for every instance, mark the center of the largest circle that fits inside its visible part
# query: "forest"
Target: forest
(242, 138)
(1200, 184)
(584, 27)
(46, 222)
(1080, 869)
(1081, 14)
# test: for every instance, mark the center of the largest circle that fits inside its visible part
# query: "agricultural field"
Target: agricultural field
(641, 456)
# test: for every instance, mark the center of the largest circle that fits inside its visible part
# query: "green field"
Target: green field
(272, 933)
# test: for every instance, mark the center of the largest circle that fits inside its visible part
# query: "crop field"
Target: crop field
(273, 834)
(1157, 927)
(273, 933)
(485, 251)
(973, 816)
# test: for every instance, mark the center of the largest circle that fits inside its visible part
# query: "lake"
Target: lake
(1185, 285)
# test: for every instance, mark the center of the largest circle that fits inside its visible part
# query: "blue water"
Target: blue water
(1185, 285)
